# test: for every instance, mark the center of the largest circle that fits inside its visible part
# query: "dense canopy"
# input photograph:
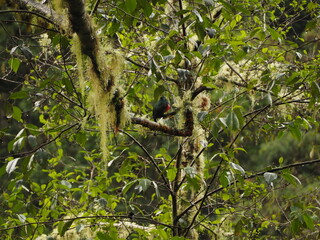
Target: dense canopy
(90, 148)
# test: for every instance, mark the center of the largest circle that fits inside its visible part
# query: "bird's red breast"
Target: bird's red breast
(168, 108)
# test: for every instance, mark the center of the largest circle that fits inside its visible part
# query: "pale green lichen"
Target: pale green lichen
(100, 99)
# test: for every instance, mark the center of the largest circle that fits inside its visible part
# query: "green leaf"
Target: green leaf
(224, 179)
(7, 109)
(16, 114)
(209, 3)
(315, 90)
(227, 5)
(81, 138)
(131, 5)
(12, 165)
(295, 132)
(194, 182)
(161, 233)
(237, 167)
(30, 162)
(14, 64)
(63, 227)
(20, 133)
(290, 178)
(178, 238)
(171, 173)
(200, 31)
(26, 52)
(68, 85)
(158, 92)
(143, 185)
(269, 99)
(308, 221)
(19, 95)
(239, 149)
(19, 144)
(274, 34)
(155, 185)
(146, 7)
(237, 111)
(3, 170)
(226, 196)
(66, 183)
(22, 218)
(114, 27)
(280, 160)
(41, 155)
(201, 115)
(295, 225)
(32, 140)
(103, 236)
(198, 15)
(128, 186)
(238, 18)
(232, 121)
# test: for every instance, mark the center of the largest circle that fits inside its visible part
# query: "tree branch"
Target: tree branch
(199, 90)
(42, 11)
(185, 211)
(147, 68)
(224, 79)
(27, 153)
(186, 132)
(151, 159)
(113, 217)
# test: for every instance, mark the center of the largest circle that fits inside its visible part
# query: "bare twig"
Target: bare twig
(43, 12)
(300, 164)
(27, 153)
(151, 159)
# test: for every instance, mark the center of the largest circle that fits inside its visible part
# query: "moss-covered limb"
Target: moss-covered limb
(185, 132)
(200, 90)
(81, 25)
(103, 70)
(118, 104)
(41, 10)
(122, 218)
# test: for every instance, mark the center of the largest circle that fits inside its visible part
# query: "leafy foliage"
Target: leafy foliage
(237, 156)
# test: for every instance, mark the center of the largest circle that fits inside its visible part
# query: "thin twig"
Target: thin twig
(33, 13)
(27, 153)
(249, 177)
(150, 158)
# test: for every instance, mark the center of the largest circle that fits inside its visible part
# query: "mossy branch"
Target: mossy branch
(109, 217)
(41, 11)
(81, 25)
(185, 132)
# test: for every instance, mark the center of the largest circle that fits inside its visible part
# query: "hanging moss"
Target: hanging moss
(101, 66)
(76, 48)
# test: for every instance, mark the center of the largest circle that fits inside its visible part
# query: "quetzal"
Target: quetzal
(160, 108)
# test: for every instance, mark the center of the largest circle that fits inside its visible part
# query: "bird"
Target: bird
(160, 108)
